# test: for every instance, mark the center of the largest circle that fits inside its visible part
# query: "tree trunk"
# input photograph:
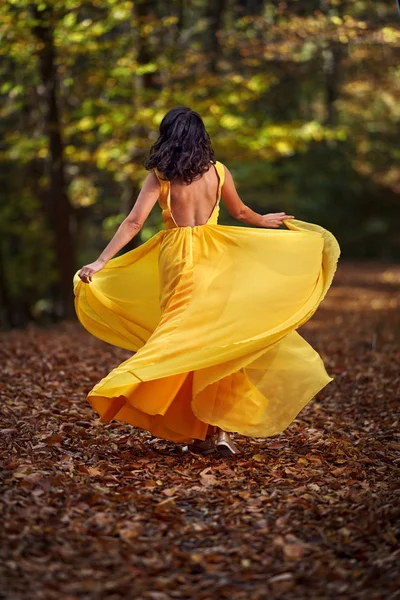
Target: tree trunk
(144, 11)
(250, 7)
(7, 306)
(61, 208)
(181, 17)
(331, 62)
(332, 55)
(214, 14)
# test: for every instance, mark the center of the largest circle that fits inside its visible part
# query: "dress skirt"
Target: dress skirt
(210, 314)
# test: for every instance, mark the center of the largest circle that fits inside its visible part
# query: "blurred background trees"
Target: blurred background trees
(300, 99)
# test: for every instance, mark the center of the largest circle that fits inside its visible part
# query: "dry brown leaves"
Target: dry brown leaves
(93, 511)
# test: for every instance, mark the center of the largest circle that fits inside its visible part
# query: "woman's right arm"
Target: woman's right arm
(242, 212)
(129, 227)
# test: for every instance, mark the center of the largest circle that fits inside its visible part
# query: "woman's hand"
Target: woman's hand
(88, 271)
(275, 219)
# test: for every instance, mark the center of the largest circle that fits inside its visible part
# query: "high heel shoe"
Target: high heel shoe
(203, 447)
(225, 445)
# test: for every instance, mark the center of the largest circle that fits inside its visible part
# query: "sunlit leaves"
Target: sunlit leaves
(231, 122)
(82, 192)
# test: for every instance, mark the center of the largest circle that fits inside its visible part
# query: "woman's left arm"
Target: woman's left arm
(129, 227)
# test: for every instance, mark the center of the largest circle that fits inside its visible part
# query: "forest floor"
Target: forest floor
(93, 511)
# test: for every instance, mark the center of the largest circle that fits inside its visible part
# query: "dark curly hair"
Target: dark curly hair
(183, 149)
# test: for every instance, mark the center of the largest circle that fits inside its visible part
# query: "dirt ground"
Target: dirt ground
(93, 511)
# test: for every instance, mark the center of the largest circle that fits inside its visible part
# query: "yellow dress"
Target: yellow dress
(211, 313)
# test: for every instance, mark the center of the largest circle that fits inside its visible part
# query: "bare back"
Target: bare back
(193, 204)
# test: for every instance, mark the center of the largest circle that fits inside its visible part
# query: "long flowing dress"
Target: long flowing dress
(210, 313)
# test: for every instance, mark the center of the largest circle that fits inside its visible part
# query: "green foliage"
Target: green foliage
(300, 102)
(25, 245)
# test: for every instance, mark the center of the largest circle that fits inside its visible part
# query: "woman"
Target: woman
(210, 311)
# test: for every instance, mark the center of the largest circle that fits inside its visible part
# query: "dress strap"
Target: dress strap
(165, 197)
(163, 183)
(221, 176)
